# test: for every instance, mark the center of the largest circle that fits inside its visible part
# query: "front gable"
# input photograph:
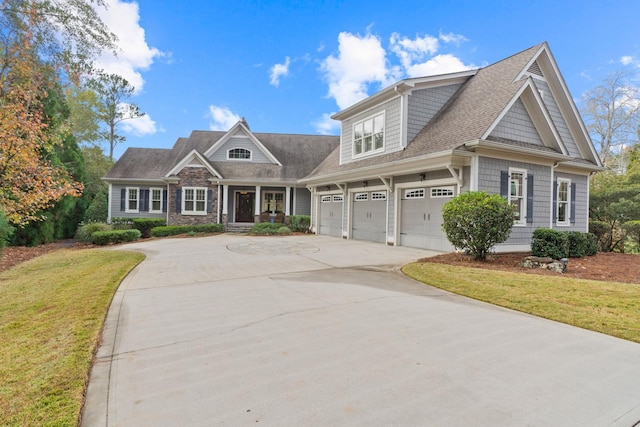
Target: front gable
(192, 160)
(239, 144)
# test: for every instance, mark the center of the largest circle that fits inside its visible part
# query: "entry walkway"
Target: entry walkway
(319, 331)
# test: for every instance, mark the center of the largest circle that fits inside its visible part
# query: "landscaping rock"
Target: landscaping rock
(544, 263)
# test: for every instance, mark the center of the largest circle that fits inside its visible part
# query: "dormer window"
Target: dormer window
(239, 154)
(368, 135)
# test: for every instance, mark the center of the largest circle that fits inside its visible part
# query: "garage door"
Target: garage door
(421, 217)
(331, 215)
(369, 216)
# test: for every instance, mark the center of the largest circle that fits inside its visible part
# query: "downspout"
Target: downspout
(218, 205)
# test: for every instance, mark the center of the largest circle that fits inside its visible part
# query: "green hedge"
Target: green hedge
(268, 228)
(85, 231)
(300, 223)
(115, 236)
(563, 244)
(146, 224)
(174, 230)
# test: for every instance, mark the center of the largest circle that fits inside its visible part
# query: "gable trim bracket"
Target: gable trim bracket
(388, 183)
(457, 176)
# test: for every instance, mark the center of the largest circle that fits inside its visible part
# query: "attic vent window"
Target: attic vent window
(239, 154)
(535, 69)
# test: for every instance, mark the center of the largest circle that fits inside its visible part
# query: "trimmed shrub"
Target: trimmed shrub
(300, 223)
(581, 244)
(284, 230)
(85, 231)
(144, 225)
(174, 230)
(97, 210)
(115, 236)
(477, 221)
(266, 228)
(550, 243)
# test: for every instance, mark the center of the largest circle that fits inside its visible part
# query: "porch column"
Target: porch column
(287, 202)
(258, 204)
(225, 199)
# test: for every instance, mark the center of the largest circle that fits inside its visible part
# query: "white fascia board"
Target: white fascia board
(491, 148)
(133, 180)
(400, 88)
(187, 159)
(249, 134)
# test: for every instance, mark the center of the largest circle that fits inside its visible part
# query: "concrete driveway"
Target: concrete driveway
(319, 331)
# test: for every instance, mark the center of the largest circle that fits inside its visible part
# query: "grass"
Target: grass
(608, 307)
(51, 313)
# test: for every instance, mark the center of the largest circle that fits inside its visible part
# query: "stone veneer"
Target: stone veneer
(192, 177)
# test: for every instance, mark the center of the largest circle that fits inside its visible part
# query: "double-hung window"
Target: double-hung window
(564, 196)
(132, 201)
(155, 202)
(518, 195)
(194, 200)
(273, 202)
(368, 135)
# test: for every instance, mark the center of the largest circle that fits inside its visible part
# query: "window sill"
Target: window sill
(193, 213)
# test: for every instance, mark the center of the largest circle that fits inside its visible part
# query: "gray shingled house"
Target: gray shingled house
(510, 128)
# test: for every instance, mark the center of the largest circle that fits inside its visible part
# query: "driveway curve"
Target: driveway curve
(234, 330)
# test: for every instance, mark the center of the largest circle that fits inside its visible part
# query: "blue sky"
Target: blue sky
(288, 65)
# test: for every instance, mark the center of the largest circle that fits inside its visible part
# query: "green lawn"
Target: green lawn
(607, 307)
(51, 313)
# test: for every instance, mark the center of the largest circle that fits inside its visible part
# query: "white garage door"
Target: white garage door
(421, 217)
(369, 216)
(331, 215)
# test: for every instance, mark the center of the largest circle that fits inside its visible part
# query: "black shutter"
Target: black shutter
(504, 184)
(530, 199)
(573, 203)
(123, 199)
(209, 201)
(144, 200)
(178, 200)
(555, 201)
(164, 200)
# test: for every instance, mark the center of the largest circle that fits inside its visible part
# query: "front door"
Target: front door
(245, 206)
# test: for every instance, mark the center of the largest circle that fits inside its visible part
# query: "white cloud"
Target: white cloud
(222, 118)
(412, 50)
(326, 125)
(456, 39)
(134, 54)
(439, 64)
(278, 71)
(140, 126)
(360, 61)
(626, 60)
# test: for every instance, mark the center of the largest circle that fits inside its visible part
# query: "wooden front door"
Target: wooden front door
(245, 206)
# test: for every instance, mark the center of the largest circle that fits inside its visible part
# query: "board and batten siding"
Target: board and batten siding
(517, 125)
(423, 104)
(489, 170)
(115, 207)
(392, 130)
(257, 156)
(558, 119)
(303, 202)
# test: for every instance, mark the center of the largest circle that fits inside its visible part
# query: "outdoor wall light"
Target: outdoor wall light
(422, 177)
(364, 183)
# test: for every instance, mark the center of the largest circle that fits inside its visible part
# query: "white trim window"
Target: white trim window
(564, 196)
(326, 199)
(518, 195)
(133, 200)
(368, 135)
(379, 195)
(338, 198)
(441, 192)
(414, 193)
(239, 154)
(361, 197)
(194, 201)
(273, 202)
(155, 200)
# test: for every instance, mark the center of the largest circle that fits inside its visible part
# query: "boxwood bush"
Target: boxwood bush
(299, 223)
(174, 230)
(85, 231)
(268, 228)
(146, 224)
(115, 236)
(581, 244)
(547, 242)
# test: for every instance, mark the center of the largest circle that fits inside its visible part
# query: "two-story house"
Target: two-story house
(510, 128)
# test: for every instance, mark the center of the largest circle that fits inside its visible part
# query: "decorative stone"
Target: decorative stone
(546, 263)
